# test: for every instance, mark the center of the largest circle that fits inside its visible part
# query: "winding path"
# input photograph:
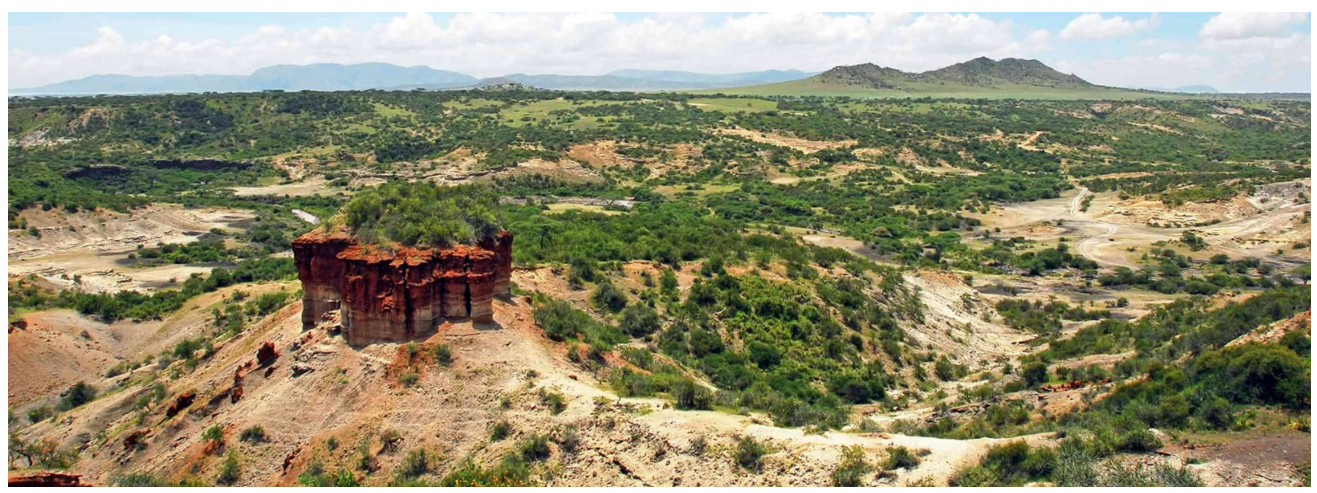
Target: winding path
(1088, 246)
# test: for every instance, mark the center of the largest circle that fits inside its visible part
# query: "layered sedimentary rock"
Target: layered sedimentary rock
(321, 272)
(399, 294)
(501, 245)
(45, 479)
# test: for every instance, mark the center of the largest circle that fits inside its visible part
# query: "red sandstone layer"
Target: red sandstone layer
(398, 294)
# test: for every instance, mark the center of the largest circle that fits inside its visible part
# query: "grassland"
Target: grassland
(734, 105)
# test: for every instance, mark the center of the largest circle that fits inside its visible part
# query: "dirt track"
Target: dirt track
(1088, 247)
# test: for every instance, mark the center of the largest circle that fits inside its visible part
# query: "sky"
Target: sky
(1235, 52)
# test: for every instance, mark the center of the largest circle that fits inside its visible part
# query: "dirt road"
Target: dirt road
(1088, 246)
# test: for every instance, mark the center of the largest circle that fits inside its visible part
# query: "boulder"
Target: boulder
(266, 354)
(180, 403)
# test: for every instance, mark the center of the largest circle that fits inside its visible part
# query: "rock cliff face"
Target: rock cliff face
(402, 294)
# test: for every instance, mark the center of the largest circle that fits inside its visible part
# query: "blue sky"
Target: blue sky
(1234, 52)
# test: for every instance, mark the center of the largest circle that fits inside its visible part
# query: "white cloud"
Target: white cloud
(1241, 25)
(1246, 65)
(1094, 26)
(1164, 70)
(1039, 39)
(1294, 50)
(565, 43)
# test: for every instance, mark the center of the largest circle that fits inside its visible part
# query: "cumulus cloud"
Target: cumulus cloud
(1095, 26)
(1242, 25)
(1163, 70)
(1261, 46)
(564, 43)
(1249, 65)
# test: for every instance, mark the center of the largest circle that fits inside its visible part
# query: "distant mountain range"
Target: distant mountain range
(336, 77)
(318, 77)
(978, 78)
(1187, 89)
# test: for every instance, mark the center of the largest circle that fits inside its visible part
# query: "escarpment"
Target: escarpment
(401, 293)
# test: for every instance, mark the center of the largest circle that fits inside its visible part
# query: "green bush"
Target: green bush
(749, 453)
(409, 378)
(1138, 441)
(499, 430)
(316, 476)
(557, 403)
(690, 395)
(561, 321)
(639, 320)
(512, 471)
(214, 434)
(229, 470)
(253, 434)
(900, 458)
(139, 480)
(569, 439)
(414, 464)
(1034, 373)
(443, 355)
(608, 297)
(39, 414)
(535, 448)
(852, 468)
(1009, 464)
(80, 393)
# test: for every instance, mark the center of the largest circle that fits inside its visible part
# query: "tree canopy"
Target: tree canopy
(423, 214)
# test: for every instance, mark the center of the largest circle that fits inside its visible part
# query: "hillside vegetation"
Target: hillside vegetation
(771, 290)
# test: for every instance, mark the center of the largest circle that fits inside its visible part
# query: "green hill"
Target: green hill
(978, 78)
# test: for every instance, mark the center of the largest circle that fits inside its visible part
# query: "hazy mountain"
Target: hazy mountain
(698, 80)
(127, 84)
(595, 83)
(1183, 89)
(321, 77)
(638, 80)
(336, 77)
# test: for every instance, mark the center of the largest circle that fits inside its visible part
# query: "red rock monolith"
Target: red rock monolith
(397, 294)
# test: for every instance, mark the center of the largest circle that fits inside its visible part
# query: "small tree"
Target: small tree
(214, 436)
(639, 320)
(668, 282)
(1034, 373)
(608, 297)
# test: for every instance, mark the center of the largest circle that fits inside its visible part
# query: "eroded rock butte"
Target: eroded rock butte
(402, 293)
